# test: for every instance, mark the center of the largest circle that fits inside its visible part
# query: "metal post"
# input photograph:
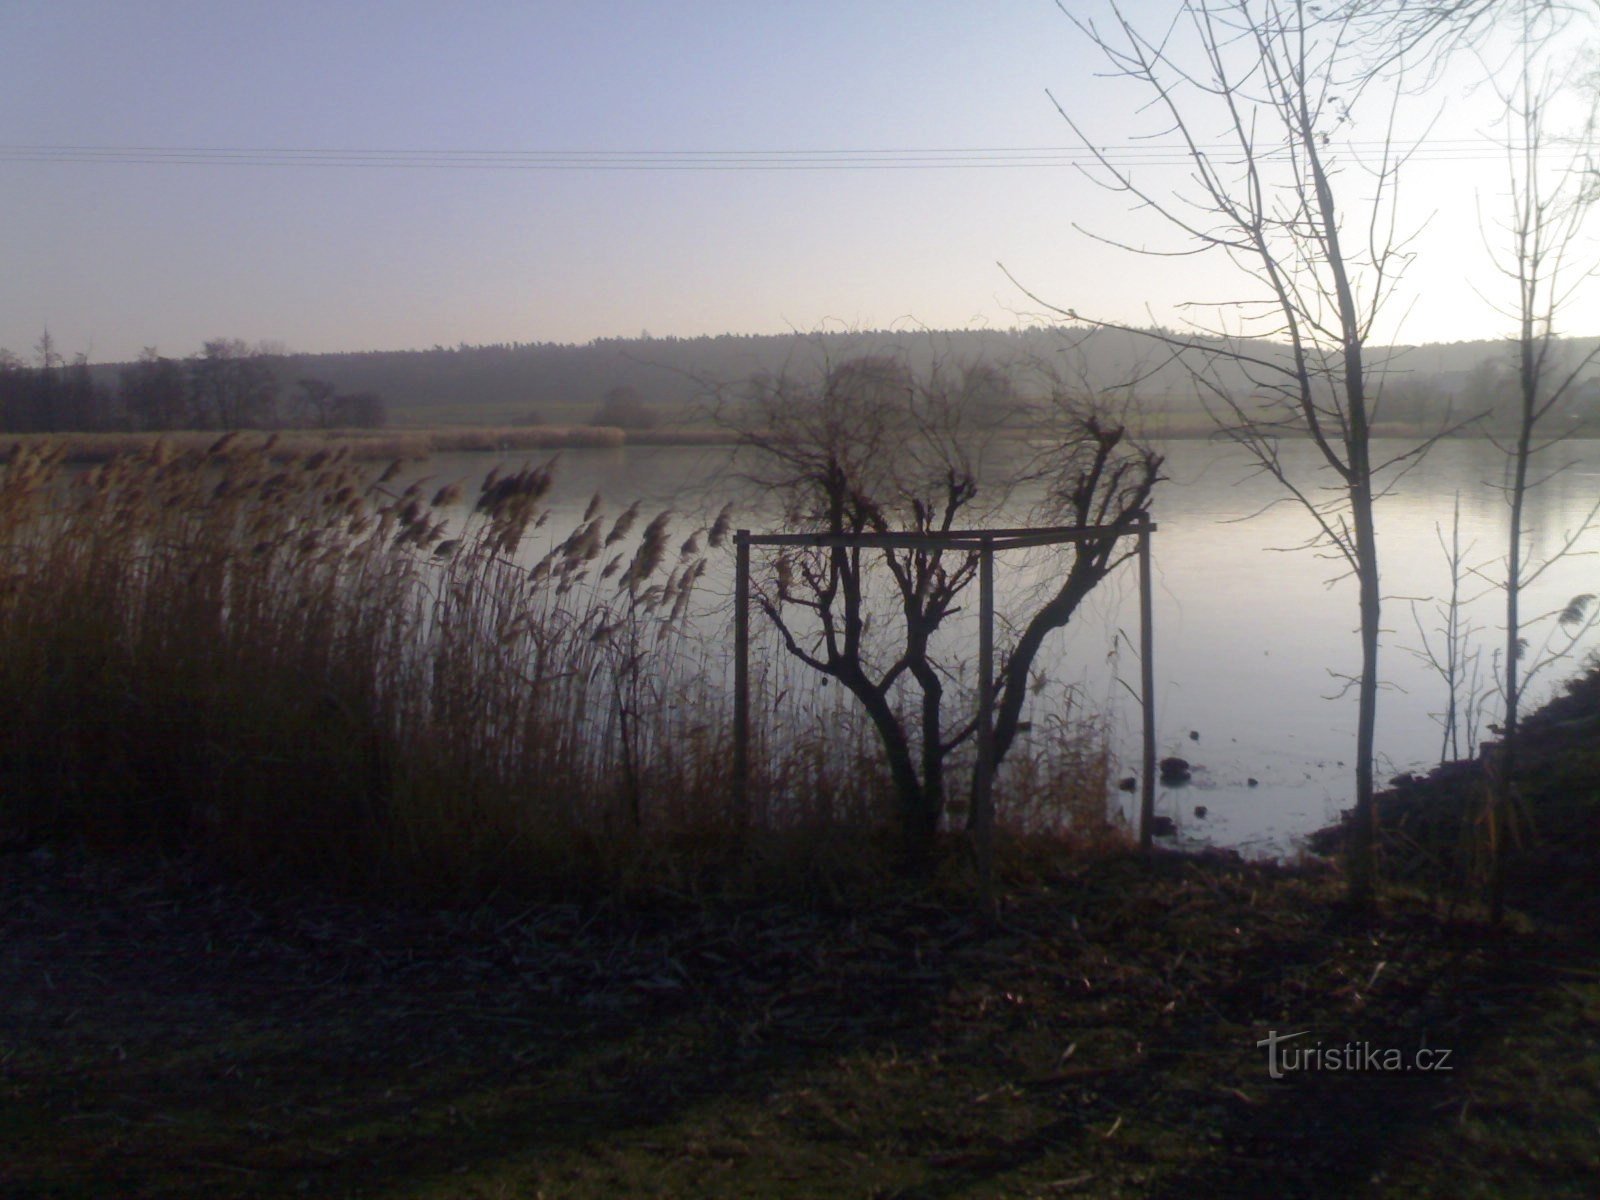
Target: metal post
(1147, 689)
(983, 793)
(741, 675)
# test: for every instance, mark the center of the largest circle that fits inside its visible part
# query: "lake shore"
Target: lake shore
(238, 960)
(421, 442)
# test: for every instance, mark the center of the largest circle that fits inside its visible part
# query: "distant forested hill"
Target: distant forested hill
(677, 379)
(685, 377)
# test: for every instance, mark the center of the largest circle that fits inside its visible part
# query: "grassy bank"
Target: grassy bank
(364, 445)
(419, 443)
(1433, 828)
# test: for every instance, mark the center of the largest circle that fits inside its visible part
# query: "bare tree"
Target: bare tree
(624, 407)
(1537, 247)
(312, 403)
(1389, 31)
(876, 449)
(56, 395)
(1541, 258)
(1098, 477)
(233, 386)
(1283, 82)
(360, 410)
(156, 393)
(863, 456)
(1452, 651)
(318, 404)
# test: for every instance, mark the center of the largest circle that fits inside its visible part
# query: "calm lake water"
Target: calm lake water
(1252, 634)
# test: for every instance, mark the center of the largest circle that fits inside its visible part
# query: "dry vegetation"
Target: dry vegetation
(374, 445)
(320, 676)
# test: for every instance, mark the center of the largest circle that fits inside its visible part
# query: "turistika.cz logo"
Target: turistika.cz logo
(1284, 1058)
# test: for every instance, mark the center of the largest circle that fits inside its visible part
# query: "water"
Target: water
(1255, 639)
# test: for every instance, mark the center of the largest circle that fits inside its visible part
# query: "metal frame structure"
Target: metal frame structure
(987, 542)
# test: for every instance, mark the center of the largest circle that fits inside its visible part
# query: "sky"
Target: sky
(355, 187)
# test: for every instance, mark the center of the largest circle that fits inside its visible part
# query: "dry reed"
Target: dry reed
(373, 445)
(281, 655)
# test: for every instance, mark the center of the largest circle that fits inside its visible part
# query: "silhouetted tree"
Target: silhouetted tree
(359, 410)
(988, 394)
(312, 403)
(82, 403)
(626, 409)
(876, 449)
(16, 384)
(1545, 261)
(233, 387)
(1491, 388)
(42, 409)
(1096, 475)
(318, 404)
(1279, 82)
(52, 396)
(155, 392)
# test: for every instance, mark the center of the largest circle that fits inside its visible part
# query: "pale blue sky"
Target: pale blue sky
(116, 257)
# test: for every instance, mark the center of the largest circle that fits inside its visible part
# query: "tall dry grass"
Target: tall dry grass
(377, 445)
(284, 657)
(320, 676)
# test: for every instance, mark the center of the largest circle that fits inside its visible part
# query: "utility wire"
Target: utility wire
(957, 158)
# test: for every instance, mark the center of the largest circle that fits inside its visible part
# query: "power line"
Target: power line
(951, 158)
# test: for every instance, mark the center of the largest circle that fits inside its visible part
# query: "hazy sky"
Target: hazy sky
(117, 256)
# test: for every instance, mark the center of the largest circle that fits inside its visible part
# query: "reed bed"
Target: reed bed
(103, 447)
(282, 656)
(366, 445)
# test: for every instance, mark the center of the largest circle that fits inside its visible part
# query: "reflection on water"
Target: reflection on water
(1255, 636)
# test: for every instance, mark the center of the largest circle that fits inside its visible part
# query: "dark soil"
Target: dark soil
(165, 1033)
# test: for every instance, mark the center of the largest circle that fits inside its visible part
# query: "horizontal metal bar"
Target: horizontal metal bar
(954, 539)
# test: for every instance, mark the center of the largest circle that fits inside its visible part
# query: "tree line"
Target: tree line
(227, 384)
(536, 383)
(638, 382)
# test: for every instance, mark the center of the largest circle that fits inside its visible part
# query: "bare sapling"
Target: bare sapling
(1542, 251)
(1308, 217)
